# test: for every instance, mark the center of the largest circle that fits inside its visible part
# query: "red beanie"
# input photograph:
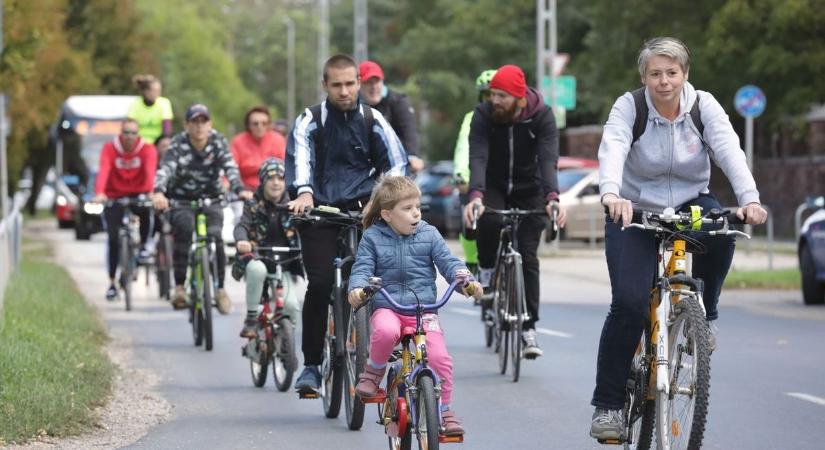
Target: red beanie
(510, 79)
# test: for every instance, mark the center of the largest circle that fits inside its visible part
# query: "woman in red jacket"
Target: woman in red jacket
(252, 147)
(127, 169)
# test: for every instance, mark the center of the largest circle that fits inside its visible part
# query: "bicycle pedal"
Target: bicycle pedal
(308, 395)
(379, 397)
(450, 439)
(611, 441)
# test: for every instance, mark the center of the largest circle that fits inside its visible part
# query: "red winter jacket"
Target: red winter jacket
(123, 174)
(249, 154)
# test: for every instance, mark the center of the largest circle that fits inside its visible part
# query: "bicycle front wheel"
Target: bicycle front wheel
(284, 361)
(126, 271)
(516, 314)
(500, 301)
(355, 358)
(258, 367)
(681, 416)
(331, 370)
(208, 295)
(427, 428)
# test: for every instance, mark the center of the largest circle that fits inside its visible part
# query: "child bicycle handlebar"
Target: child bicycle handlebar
(375, 287)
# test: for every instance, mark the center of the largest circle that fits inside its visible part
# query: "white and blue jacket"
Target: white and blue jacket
(340, 165)
(405, 264)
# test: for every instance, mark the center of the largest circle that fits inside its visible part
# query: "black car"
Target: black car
(439, 198)
(811, 251)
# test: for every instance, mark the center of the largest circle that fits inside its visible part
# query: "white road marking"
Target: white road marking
(807, 397)
(544, 331)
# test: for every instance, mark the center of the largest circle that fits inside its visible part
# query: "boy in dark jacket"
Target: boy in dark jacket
(263, 225)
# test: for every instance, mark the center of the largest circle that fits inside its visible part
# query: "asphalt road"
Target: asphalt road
(767, 387)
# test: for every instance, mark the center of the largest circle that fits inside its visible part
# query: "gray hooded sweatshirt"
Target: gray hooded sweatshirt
(670, 163)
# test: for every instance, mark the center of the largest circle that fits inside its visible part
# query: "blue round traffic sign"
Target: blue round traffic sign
(750, 101)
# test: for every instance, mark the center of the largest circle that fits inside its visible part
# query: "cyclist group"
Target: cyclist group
(354, 150)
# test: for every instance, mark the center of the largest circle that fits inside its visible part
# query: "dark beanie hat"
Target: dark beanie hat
(510, 79)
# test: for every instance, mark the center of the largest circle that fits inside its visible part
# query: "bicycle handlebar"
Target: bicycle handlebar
(375, 287)
(650, 220)
(196, 203)
(141, 200)
(325, 213)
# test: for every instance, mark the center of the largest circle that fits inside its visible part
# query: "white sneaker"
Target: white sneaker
(714, 332)
(531, 344)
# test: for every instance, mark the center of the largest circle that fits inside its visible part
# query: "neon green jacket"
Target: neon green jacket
(461, 156)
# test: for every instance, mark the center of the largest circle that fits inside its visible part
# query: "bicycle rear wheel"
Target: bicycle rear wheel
(639, 412)
(126, 268)
(500, 303)
(208, 295)
(516, 313)
(355, 358)
(284, 361)
(331, 371)
(396, 409)
(681, 417)
(427, 428)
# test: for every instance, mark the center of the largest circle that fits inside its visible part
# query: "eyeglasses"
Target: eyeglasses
(129, 132)
(259, 124)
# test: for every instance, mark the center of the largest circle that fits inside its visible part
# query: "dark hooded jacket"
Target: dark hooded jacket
(519, 158)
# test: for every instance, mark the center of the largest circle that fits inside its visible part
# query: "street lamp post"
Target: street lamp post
(360, 44)
(290, 66)
(323, 42)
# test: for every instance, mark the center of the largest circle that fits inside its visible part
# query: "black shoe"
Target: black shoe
(111, 293)
(309, 382)
(250, 327)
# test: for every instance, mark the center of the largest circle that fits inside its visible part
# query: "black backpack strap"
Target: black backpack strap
(696, 116)
(318, 137)
(641, 114)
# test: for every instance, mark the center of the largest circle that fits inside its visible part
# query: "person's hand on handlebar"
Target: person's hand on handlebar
(243, 246)
(469, 286)
(468, 211)
(356, 297)
(300, 204)
(752, 214)
(561, 216)
(245, 194)
(159, 201)
(618, 208)
(99, 198)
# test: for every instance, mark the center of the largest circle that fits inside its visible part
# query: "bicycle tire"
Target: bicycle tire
(688, 334)
(196, 318)
(517, 304)
(428, 414)
(639, 411)
(355, 359)
(284, 361)
(258, 369)
(208, 295)
(502, 327)
(126, 271)
(331, 373)
(163, 267)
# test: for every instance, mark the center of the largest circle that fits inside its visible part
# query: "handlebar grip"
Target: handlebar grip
(733, 219)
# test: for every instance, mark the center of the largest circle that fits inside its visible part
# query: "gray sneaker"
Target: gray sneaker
(531, 344)
(607, 424)
(714, 331)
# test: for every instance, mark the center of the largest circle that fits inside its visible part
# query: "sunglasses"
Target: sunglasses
(129, 133)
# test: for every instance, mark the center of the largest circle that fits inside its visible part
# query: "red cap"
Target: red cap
(510, 79)
(369, 69)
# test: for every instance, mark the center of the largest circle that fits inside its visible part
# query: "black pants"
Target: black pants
(112, 221)
(529, 234)
(319, 248)
(631, 262)
(183, 224)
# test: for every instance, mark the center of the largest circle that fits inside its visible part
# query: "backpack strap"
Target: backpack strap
(369, 121)
(318, 137)
(642, 111)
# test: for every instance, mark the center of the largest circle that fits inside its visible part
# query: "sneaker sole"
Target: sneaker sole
(606, 436)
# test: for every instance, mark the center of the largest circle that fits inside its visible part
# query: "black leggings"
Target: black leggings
(183, 224)
(112, 219)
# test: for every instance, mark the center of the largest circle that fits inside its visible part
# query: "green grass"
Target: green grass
(53, 370)
(763, 279)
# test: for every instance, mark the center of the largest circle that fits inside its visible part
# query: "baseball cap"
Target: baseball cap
(197, 110)
(369, 69)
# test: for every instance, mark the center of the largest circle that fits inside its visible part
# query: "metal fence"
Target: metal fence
(11, 234)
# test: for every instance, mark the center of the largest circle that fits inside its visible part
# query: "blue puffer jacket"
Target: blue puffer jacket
(403, 261)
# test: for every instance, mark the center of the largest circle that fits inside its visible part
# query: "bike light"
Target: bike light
(61, 200)
(93, 208)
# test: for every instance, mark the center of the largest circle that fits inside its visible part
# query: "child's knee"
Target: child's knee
(255, 271)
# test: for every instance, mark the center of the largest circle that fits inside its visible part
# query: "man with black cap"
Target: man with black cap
(514, 152)
(190, 170)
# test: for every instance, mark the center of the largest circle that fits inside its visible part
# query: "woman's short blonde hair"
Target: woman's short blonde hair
(664, 46)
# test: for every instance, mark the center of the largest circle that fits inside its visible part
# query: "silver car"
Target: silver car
(580, 196)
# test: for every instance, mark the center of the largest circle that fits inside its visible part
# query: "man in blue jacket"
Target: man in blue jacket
(334, 155)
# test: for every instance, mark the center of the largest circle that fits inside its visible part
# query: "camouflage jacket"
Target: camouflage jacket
(188, 174)
(263, 225)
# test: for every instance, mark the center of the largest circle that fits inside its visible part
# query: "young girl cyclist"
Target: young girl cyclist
(404, 252)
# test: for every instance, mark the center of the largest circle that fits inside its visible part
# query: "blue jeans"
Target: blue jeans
(631, 262)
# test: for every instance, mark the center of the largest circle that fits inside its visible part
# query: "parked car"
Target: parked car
(811, 251)
(579, 193)
(439, 198)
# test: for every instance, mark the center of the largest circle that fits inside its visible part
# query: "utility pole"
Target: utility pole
(290, 67)
(546, 49)
(323, 43)
(360, 43)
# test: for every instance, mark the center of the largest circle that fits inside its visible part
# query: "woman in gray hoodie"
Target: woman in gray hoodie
(664, 161)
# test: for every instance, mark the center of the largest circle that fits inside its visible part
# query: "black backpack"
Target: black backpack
(642, 112)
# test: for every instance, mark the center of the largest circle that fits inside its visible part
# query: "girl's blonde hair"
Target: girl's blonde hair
(386, 194)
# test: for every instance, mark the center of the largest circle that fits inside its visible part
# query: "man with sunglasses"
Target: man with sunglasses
(127, 169)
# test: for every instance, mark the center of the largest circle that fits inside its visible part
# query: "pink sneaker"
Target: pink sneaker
(368, 381)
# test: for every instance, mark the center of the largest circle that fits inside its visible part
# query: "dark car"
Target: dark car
(439, 198)
(812, 254)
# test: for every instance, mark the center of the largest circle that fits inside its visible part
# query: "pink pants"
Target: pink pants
(386, 333)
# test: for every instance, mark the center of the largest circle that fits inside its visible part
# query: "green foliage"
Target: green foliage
(53, 371)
